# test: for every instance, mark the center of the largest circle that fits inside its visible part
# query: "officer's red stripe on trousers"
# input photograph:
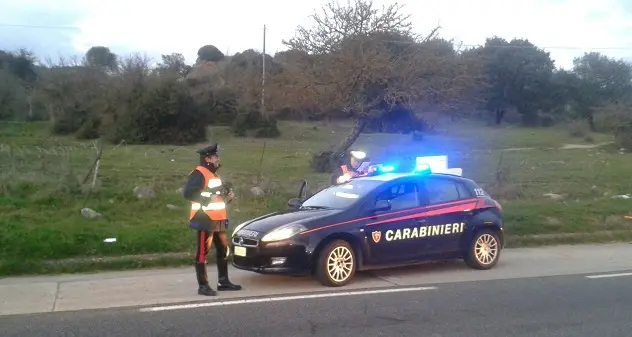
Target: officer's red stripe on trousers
(430, 210)
(201, 257)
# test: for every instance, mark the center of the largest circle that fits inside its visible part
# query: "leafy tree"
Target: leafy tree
(101, 57)
(17, 79)
(209, 53)
(20, 64)
(174, 63)
(518, 75)
(604, 80)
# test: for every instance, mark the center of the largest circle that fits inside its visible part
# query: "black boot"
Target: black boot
(203, 287)
(223, 283)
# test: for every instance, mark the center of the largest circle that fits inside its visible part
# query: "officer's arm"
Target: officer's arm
(193, 187)
(334, 176)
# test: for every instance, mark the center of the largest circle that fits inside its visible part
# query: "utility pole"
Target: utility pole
(263, 75)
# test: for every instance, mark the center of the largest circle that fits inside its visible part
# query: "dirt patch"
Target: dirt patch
(582, 146)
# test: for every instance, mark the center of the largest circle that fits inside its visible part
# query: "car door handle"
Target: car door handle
(421, 221)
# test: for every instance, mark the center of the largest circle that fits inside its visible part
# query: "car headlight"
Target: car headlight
(239, 227)
(284, 232)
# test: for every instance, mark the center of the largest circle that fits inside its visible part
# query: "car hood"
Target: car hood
(271, 221)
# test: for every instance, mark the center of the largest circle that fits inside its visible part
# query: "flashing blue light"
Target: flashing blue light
(387, 168)
(422, 168)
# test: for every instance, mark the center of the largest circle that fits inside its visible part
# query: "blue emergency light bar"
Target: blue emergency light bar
(387, 168)
(422, 168)
(423, 165)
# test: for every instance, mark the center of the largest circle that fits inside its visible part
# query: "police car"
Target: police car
(384, 219)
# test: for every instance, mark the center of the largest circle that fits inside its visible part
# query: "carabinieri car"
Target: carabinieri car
(376, 221)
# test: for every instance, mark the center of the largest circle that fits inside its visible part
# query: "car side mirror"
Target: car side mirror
(294, 203)
(381, 206)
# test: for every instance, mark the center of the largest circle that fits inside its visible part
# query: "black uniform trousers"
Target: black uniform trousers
(207, 237)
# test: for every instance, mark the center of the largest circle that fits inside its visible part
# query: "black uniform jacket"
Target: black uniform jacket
(192, 192)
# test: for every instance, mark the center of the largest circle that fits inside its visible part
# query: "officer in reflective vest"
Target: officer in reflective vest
(349, 169)
(208, 217)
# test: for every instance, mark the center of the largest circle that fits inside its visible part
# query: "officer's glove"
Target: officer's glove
(216, 190)
(205, 198)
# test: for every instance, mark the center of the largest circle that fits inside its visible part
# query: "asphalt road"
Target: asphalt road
(546, 306)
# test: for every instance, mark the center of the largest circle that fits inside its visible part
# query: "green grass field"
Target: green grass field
(41, 194)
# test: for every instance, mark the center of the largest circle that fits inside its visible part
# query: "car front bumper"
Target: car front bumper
(281, 257)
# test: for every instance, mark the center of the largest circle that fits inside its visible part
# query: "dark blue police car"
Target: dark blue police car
(375, 221)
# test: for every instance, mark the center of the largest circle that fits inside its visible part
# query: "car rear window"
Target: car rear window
(442, 190)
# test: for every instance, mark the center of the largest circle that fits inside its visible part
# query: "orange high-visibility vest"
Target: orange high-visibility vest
(347, 174)
(216, 209)
(346, 170)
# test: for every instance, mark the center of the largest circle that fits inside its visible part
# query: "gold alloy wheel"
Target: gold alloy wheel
(486, 249)
(340, 264)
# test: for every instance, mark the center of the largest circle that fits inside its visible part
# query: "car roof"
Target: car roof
(392, 176)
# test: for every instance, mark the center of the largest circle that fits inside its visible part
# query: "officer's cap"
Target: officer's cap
(358, 154)
(211, 150)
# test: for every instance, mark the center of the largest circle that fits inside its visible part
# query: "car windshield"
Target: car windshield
(341, 196)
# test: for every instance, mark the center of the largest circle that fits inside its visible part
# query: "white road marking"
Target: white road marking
(283, 298)
(609, 275)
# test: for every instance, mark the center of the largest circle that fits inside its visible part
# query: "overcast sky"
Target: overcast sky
(568, 28)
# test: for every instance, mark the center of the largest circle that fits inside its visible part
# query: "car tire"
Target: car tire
(336, 273)
(484, 250)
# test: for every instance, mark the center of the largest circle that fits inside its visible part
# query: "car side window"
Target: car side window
(401, 196)
(464, 192)
(444, 190)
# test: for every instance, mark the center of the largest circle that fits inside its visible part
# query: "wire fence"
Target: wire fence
(514, 173)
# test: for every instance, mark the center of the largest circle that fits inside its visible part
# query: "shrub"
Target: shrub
(398, 120)
(223, 107)
(578, 128)
(616, 118)
(320, 162)
(512, 116)
(547, 119)
(73, 94)
(253, 124)
(623, 136)
(146, 108)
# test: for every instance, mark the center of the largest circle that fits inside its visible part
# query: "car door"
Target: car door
(448, 214)
(389, 233)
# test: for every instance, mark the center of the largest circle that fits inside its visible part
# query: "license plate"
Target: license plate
(240, 251)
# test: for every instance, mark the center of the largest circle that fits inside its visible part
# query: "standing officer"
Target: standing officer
(349, 169)
(205, 190)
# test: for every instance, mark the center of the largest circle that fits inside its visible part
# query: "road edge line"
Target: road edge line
(609, 275)
(281, 298)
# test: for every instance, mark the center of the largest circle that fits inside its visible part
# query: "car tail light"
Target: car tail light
(488, 202)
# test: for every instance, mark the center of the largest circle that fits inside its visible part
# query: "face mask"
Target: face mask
(212, 167)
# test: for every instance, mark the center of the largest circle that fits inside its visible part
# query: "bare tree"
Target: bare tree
(337, 23)
(365, 61)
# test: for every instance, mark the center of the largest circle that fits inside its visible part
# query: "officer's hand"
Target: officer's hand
(231, 195)
(205, 200)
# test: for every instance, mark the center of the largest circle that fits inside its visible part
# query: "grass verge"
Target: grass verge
(173, 260)
(42, 189)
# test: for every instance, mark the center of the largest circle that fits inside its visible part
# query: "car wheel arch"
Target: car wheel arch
(355, 243)
(477, 229)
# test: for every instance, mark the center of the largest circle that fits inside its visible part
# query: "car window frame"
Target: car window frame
(454, 182)
(371, 199)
